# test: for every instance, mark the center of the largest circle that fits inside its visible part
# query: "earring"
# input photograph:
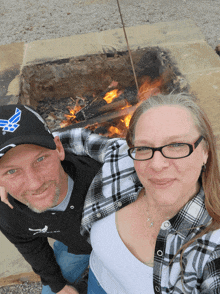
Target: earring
(203, 168)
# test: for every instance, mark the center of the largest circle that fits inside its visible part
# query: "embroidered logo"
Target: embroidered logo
(44, 230)
(11, 125)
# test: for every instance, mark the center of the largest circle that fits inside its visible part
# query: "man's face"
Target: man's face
(34, 176)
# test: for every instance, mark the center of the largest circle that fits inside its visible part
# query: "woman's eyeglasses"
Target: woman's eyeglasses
(173, 151)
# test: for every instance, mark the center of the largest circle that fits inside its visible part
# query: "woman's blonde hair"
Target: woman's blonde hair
(211, 176)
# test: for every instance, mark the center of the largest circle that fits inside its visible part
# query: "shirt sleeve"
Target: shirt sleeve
(81, 141)
(211, 276)
(39, 254)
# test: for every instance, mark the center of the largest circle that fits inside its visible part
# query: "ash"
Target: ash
(53, 110)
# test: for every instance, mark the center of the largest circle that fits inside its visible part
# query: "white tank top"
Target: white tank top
(117, 270)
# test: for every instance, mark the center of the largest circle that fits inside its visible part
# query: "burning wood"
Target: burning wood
(106, 117)
(96, 106)
(115, 104)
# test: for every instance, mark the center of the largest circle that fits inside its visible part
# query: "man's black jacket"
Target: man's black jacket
(28, 230)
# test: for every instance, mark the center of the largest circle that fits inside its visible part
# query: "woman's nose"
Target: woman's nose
(158, 161)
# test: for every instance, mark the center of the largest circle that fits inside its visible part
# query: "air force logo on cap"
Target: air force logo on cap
(11, 125)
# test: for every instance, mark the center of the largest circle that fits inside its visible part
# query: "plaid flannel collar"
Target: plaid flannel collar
(191, 216)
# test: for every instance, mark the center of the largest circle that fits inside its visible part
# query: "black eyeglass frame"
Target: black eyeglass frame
(191, 149)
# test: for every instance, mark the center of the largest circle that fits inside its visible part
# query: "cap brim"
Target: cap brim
(43, 141)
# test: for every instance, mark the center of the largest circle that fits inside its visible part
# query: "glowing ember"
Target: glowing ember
(110, 96)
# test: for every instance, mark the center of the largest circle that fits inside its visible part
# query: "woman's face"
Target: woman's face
(169, 181)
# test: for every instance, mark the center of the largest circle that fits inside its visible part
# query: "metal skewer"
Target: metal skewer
(129, 51)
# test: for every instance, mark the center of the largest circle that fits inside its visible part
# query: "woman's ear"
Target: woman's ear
(205, 156)
(59, 148)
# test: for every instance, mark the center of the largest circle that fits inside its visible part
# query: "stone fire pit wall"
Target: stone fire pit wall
(195, 59)
(91, 75)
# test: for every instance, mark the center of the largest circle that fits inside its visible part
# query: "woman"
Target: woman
(167, 241)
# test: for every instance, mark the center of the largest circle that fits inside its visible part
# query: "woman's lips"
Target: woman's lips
(162, 183)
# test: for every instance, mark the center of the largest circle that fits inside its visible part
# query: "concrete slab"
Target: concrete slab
(10, 261)
(11, 59)
(13, 267)
(95, 43)
(11, 56)
(194, 58)
(206, 86)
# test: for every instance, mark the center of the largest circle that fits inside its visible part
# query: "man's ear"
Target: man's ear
(59, 148)
(4, 197)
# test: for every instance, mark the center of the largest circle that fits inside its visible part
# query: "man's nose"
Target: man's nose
(33, 180)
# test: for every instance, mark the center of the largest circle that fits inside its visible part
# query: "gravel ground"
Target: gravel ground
(26, 288)
(30, 20)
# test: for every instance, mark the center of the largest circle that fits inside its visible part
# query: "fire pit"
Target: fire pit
(99, 91)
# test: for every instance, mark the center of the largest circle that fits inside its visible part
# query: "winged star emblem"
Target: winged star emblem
(11, 125)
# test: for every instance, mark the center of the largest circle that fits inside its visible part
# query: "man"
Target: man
(47, 197)
(48, 185)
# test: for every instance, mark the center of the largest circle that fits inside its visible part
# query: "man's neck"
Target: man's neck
(64, 188)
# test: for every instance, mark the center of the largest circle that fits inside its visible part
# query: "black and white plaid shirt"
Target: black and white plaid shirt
(117, 185)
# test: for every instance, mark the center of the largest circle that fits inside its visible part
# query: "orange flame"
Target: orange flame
(121, 128)
(70, 116)
(126, 120)
(110, 96)
(113, 130)
(148, 89)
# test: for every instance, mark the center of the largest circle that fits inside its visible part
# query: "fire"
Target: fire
(110, 96)
(126, 120)
(73, 111)
(113, 130)
(70, 117)
(148, 89)
(119, 127)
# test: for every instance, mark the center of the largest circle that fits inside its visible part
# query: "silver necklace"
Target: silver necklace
(149, 218)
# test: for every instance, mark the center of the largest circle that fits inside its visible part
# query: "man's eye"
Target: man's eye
(40, 159)
(11, 171)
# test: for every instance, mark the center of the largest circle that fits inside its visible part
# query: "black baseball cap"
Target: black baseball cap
(20, 124)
